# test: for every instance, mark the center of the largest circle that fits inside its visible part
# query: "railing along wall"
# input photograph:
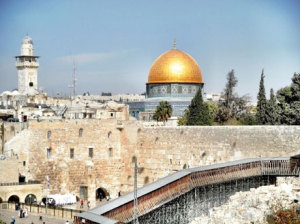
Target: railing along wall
(59, 212)
(197, 177)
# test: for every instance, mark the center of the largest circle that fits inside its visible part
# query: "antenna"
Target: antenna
(73, 85)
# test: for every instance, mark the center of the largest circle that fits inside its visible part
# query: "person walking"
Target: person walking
(81, 203)
(21, 213)
(13, 220)
(88, 204)
(41, 216)
(25, 212)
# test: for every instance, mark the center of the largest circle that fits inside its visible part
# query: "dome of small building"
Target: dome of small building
(27, 40)
(175, 66)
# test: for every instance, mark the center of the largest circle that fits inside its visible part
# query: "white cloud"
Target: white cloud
(86, 58)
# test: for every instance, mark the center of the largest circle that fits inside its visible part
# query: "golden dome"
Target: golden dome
(175, 66)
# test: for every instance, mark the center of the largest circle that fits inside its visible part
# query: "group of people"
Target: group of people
(82, 203)
(23, 212)
(13, 220)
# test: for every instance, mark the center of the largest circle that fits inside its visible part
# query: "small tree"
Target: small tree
(289, 102)
(223, 115)
(198, 111)
(182, 121)
(261, 102)
(163, 111)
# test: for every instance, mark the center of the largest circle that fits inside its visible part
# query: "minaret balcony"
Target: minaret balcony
(32, 64)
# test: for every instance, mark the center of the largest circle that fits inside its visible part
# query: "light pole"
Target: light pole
(135, 196)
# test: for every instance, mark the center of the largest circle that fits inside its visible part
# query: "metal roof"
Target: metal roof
(96, 218)
(110, 205)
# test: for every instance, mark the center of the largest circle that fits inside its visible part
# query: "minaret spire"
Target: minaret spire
(174, 44)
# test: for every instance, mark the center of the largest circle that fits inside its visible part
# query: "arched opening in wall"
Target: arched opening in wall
(31, 84)
(14, 198)
(43, 202)
(30, 199)
(102, 193)
(77, 198)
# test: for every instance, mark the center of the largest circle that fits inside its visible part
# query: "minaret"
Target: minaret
(27, 66)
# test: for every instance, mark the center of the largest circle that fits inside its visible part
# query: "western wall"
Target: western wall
(159, 150)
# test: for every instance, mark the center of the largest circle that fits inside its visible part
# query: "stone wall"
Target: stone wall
(163, 150)
(8, 171)
(160, 151)
(8, 130)
(67, 174)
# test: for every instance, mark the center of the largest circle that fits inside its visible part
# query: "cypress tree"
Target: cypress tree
(261, 102)
(272, 110)
(228, 91)
(198, 111)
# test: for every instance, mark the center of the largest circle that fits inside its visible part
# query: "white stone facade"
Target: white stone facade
(27, 67)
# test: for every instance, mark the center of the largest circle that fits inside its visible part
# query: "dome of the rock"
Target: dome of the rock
(175, 66)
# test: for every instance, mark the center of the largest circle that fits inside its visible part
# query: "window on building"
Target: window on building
(110, 152)
(31, 84)
(80, 132)
(111, 114)
(91, 152)
(24, 163)
(83, 193)
(48, 153)
(49, 134)
(71, 153)
(109, 134)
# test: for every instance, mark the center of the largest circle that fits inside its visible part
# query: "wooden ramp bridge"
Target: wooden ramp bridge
(186, 194)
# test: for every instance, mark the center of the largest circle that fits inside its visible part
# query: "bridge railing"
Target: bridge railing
(59, 212)
(279, 168)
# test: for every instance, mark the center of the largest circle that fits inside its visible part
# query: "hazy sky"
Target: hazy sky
(115, 42)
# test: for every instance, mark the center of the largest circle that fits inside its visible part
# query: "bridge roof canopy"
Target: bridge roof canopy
(97, 218)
